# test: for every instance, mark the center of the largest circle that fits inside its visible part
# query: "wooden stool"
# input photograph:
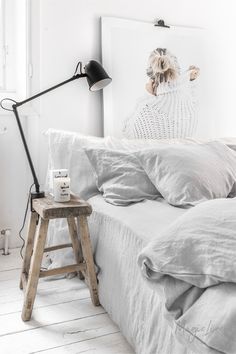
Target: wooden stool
(45, 209)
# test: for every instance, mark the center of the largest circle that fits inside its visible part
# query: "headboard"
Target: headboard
(126, 46)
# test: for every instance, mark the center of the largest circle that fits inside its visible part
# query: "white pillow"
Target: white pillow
(66, 151)
(190, 174)
(120, 177)
(133, 145)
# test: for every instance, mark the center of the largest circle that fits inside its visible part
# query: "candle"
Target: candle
(61, 189)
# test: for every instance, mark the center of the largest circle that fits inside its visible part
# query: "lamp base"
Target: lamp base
(35, 195)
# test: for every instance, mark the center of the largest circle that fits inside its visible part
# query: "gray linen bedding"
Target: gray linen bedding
(118, 235)
(193, 264)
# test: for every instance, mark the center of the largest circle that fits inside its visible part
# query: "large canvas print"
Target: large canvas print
(159, 80)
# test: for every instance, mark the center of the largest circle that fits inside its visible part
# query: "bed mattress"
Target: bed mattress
(118, 234)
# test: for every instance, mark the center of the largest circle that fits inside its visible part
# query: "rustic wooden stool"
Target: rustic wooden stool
(45, 209)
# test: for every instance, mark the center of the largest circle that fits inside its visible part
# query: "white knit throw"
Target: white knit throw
(170, 114)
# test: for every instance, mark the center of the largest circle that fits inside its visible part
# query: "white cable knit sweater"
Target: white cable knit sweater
(170, 114)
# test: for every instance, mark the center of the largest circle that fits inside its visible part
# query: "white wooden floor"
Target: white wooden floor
(64, 319)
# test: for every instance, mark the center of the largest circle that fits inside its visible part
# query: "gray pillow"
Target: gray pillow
(120, 177)
(190, 174)
(66, 150)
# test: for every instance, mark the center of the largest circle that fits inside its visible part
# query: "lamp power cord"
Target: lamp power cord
(24, 220)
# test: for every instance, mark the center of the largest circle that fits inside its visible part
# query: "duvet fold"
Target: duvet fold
(194, 265)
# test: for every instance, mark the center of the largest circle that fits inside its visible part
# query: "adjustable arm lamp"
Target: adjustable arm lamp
(97, 79)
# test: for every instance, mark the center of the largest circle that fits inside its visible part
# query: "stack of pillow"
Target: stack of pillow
(183, 172)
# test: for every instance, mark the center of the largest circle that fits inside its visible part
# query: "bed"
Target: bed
(121, 230)
(149, 319)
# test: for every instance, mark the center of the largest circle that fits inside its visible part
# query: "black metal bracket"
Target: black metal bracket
(160, 23)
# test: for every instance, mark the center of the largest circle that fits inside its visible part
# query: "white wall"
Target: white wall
(13, 178)
(14, 172)
(70, 31)
(63, 32)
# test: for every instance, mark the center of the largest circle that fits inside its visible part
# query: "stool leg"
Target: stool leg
(75, 242)
(29, 247)
(88, 257)
(34, 271)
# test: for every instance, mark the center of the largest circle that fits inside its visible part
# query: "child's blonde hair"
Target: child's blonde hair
(162, 67)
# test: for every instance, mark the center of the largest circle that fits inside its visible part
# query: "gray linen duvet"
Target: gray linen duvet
(193, 264)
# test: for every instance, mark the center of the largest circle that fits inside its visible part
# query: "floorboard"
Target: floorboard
(63, 321)
(106, 344)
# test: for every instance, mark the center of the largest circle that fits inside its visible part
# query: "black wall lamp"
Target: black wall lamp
(97, 79)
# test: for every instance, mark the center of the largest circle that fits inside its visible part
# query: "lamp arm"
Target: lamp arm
(74, 77)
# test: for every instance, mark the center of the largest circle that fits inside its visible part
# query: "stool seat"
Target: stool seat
(47, 208)
(75, 212)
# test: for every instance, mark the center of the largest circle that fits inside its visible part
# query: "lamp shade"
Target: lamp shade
(96, 76)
